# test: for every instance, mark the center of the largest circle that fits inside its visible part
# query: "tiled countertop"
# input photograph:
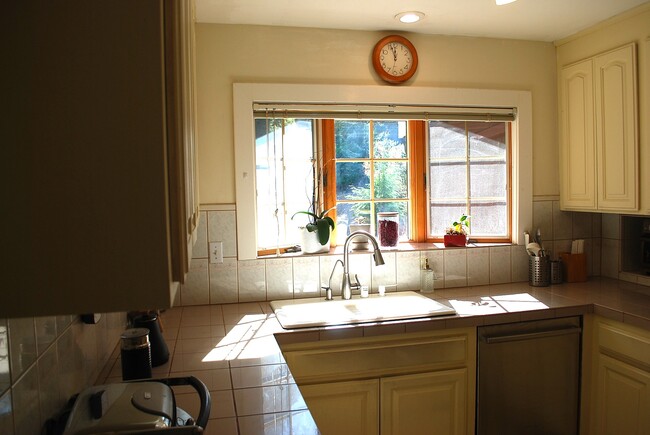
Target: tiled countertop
(234, 348)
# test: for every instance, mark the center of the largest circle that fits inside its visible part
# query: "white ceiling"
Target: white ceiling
(538, 20)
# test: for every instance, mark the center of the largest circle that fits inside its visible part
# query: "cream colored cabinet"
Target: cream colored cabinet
(599, 157)
(100, 188)
(617, 378)
(417, 383)
(425, 403)
(344, 407)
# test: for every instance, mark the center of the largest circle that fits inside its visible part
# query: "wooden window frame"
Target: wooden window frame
(417, 138)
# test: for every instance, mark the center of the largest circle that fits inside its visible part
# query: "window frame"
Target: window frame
(418, 143)
(245, 95)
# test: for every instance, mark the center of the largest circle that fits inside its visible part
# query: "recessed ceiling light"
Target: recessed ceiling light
(504, 2)
(410, 17)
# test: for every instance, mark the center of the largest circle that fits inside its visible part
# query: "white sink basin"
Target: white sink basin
(310, 312)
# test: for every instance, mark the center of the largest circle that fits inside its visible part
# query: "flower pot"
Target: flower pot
(310, 244)
(455, 240)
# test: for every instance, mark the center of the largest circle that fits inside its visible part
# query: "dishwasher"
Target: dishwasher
(529, 378)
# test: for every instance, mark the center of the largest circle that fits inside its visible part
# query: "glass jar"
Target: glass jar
(388, 228)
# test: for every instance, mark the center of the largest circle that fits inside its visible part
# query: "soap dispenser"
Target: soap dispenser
(427, 277)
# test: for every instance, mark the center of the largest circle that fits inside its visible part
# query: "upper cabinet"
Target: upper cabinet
(599, 143)
(98, 159)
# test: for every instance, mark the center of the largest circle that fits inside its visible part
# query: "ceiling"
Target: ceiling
(537, 20)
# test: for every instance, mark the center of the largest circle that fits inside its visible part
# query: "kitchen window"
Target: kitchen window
(512, 150)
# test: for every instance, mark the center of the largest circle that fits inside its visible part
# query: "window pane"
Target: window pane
(489, 219)
(402, 208)
(447, 140)
(488, 179)
(390, 139)
(353, 213)
(352, 139)
(352, 180)
(448, 180)
(391, 180)
(280, 159)
(443, 215)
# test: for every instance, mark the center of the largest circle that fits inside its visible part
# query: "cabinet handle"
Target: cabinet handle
(530, 335)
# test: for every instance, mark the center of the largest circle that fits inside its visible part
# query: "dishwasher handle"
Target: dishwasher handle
(530, 335)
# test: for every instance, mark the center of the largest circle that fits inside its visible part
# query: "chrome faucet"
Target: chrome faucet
(346, 285)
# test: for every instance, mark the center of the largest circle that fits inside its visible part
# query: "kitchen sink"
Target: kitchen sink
(312, 312)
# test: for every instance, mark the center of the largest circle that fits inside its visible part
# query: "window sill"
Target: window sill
(401, 247)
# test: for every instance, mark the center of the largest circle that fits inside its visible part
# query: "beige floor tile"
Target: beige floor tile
(284, 423)
(222, 426)
(260, 376)
(264, 400)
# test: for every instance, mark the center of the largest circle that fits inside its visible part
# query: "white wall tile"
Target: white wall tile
(478, 266)
(385, 274)
(408, 271)
(222, 227)
(609, 264)
(306, 277)
(252, 284)
(582, 225)
(326, 267)
(562, 224)
(196, 290)
(437, 264)
(360, 266)
(45, 332)
(22, 345)
(542, 219)
(611, 227)
(200, 249)
(455, 267)
(27, 415)
(223, 282)
(500, 259)
(597, 225)
(279, 279)
(519, 263)
(596, 253)
(48, 385)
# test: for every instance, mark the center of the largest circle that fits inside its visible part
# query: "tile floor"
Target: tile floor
(231, 348)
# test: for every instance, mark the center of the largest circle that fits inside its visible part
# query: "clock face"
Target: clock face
(395, 59)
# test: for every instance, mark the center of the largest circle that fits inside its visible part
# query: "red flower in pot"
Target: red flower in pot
(456, 234)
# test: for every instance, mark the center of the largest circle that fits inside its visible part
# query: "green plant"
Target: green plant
(319, 223)
(459, 227)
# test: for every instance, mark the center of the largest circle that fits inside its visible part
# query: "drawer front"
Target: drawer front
(625, 342)
(360, 359)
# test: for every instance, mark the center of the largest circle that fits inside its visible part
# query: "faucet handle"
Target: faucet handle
(357, 284)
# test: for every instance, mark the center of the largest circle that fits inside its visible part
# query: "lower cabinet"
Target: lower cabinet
(409, 384)
(618, 396)
(344, 407)
(424, 403)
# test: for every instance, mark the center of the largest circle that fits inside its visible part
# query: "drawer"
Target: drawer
(624, 341)
(365, 358)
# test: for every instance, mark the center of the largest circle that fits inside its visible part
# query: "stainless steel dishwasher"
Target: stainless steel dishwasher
(529, 378)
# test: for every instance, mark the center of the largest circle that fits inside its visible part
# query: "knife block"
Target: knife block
(575, 267)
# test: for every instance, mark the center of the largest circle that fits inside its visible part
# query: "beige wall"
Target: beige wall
(255, 54)
(633, 26)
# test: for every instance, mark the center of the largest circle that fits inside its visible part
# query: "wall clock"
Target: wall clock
(395, 59)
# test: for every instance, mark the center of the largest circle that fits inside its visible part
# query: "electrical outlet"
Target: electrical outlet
(216, 252)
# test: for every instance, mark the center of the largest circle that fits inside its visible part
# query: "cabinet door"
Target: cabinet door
(577, 152)
(426, 403)
(616, 129)
(622, 398)
(344, 407)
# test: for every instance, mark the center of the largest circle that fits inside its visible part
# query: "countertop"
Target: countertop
(505, 303)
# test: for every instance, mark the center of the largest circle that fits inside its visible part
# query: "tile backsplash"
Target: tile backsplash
(46, 360)
(303, 275)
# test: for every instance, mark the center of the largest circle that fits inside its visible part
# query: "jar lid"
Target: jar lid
(135, 337)
(388, 213)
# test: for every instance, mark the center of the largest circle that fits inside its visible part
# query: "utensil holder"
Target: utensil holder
(556, 272)
(539, 271)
